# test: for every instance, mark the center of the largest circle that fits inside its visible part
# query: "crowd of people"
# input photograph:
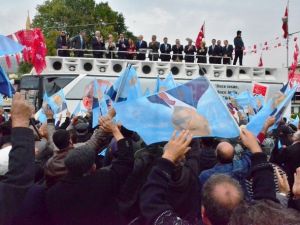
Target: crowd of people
(125, 48)
(65, 172)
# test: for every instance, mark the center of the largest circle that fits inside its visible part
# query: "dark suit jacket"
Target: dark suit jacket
(141, 45)
(165, 50)
(217, 51)
(121, 47)
(228, 51)
(98, 45)
(76, 42)
(189, 53)
(60, 42)
(177, 51)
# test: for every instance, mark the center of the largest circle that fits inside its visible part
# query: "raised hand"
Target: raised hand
(177, 147)
(249, 140)
(283, 183)
(21, 111)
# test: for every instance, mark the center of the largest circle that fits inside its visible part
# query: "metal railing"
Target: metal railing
(147, 53)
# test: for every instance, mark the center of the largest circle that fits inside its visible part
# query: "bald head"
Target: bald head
(225, 152)
(221, 194)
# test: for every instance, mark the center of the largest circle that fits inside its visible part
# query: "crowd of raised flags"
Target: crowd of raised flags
(194, 105)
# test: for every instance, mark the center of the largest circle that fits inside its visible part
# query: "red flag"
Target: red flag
(18, 59)
(200, 36)
(259, 89)
(260, 64)
(35, 51)
(285, 27)
(8, 62)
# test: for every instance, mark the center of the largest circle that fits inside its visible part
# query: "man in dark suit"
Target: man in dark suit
(141, 46)
(227, 52)
(78, 42)
(239, 48)
(213, 51)
(122, 46)
(189, 51)
(177, 50)
(98, 44)
(165, 50)
(220, 52)
(154, 47)
(62, 42)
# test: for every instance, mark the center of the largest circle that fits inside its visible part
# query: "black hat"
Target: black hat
(80, 160)
(82, 129)
(61, 139)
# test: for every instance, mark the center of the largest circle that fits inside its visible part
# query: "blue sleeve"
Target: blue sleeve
(242, 166)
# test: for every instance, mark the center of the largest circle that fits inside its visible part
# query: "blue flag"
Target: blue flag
(195, 106)
(79, 109)
(40, 114)
(127, 84)
(5, 86)
(99, 107)
(9, 46)
(57, 102)
(166, 84)
(245, 100)
(274, 107)
(295, 121)
(147, 92)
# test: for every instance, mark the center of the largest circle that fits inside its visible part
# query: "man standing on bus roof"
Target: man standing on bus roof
(98, 45)
(62, 42)
(239, 48)
(78, 42)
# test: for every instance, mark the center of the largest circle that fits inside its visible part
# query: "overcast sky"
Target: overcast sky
(260, 20)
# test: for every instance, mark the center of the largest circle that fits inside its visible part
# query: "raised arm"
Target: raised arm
(153, 204)
(21, 157)
(261, 170)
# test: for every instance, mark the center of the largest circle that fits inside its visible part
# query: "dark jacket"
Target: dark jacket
(123, 47)
(227, 50)
(201, 55)
(140, 45)
(158, 211)
(289, 158)
(98, 45)
(78, 43)
(238, 44)
(189, 53)
(166, 50)
(91, 199)
(177, 53)
(20, 175)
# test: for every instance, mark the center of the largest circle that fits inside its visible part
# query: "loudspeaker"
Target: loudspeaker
(175, 70)
(146, 69)
(117, 68)
(88, 66)
(229, 73)
(57, 65)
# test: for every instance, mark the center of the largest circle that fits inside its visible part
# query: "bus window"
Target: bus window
(29, 83)
(54, 84)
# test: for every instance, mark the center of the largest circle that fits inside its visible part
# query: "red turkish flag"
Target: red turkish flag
(285, 27)
(260, 89)
(35, 48)
(200, 36)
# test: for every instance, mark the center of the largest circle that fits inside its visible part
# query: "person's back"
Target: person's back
(86, 196)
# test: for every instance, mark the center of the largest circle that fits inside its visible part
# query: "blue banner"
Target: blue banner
(195, 106)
